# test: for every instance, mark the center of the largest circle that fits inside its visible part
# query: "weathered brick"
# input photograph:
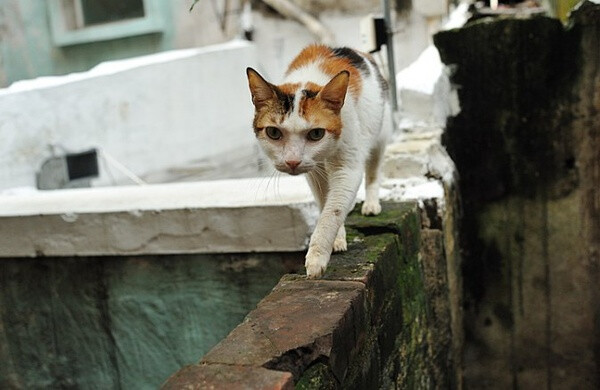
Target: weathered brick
(299, 322)
(341, 331)
(372, 260)
(227, 377)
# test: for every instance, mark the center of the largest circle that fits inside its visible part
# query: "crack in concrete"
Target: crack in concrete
(298, 359)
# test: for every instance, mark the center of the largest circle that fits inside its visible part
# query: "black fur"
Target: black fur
(286, 100)
(309, 94)
(382, 81)
(355, 59)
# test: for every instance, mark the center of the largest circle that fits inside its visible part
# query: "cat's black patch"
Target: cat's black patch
(382, 81)
(309, 94)
(355, 59)
(286, 100)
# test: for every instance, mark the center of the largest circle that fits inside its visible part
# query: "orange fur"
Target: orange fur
(316, 112)
(289, 88)
(323, 111)
(308, 55)
(330, 65)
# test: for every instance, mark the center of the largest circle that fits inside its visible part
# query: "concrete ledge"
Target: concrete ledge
(202, 217)
(367, 324)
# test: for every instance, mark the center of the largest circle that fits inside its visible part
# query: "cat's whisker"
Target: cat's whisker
(277, 183)
(322, 174)
(266, 188)
(272, 179)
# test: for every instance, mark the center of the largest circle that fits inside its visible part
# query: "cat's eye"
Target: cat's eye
(273, 132)
(315, 134)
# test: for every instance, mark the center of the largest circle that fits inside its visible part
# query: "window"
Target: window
(104, 11)
(81, 21)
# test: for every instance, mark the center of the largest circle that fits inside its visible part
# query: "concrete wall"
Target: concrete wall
(202, 217)
(149, 112)
(527, 148)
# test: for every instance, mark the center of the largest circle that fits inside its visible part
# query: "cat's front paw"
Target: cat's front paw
(316, 263)
(371, 208)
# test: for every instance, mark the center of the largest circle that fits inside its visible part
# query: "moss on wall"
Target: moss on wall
(522, 144)
(406, 344)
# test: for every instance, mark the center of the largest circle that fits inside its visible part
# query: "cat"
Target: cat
(326, 120)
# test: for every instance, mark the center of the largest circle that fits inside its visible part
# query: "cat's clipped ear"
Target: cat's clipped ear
(334, 93)
(261, 90)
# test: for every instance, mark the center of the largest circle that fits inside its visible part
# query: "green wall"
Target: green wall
(123, 322)
(27, 49)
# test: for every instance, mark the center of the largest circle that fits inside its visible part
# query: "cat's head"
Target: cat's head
(297, 125)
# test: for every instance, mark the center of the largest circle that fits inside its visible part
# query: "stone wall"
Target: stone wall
(379, 318)
(526, 148)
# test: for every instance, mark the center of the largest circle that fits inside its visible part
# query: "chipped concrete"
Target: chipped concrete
(201, 217)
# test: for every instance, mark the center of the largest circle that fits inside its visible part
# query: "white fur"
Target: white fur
(335, 167)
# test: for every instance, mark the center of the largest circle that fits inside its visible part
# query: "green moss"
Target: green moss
(393, 218)
(412, 343)
(391, 242)
(319, 376)
(383, 253)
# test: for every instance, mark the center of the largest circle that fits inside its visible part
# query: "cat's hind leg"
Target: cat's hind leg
(340, 244)
(371, 206)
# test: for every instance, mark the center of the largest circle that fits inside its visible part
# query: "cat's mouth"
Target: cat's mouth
(293, 171)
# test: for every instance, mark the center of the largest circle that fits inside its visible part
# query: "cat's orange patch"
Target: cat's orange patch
(321, 105)
(266, 117)
(330, 65)
(289, 88)
(312, 87)
(308, 55)
(316, 112)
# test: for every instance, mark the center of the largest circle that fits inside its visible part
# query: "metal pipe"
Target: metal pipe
(387, 16)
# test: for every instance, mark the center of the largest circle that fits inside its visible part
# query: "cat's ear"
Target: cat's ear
(261, 90)
(334, 93)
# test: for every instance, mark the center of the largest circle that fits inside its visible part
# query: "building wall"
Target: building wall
(280, 40)
(27, 49)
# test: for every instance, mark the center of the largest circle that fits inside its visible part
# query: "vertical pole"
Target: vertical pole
(387, 15)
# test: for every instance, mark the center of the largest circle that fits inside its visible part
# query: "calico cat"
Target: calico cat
(326, 120)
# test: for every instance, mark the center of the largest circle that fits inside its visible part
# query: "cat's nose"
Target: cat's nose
(293, 164)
